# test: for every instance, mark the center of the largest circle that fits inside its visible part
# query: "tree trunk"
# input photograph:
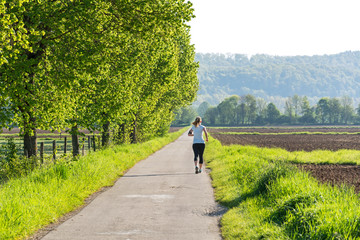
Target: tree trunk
(133, 135)
(30, 143)
(121, 133)
(105, 134)
(75, 140)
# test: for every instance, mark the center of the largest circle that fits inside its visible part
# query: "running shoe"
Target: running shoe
(200, 170)
(196, 170)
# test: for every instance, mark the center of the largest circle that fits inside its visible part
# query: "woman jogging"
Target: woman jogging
(198, 143)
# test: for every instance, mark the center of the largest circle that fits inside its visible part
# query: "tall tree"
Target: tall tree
(250, 102)
(334, 110)
(261, 106)
(296, 101)
(211, 116)
(272, 113)
(323, 110)
(203, 107)
(347, 109)
(226, 109)
(307, 112)
(241, 113)
(184, 116)
(33, 80)
(289, 109)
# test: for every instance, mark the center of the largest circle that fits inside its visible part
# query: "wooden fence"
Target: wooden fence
(57, 149)
(58, 146)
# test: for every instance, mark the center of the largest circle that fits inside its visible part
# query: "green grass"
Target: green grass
(30, 203)
(268, 198)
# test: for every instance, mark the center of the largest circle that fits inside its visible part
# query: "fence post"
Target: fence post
(42, 152)
(54, 150)
(65, 145)
(89, 143)
(83, 146)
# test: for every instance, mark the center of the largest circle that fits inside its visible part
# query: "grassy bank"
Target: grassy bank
(268, 198)
(30, 203)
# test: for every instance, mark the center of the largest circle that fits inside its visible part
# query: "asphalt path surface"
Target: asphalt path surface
(161, 198)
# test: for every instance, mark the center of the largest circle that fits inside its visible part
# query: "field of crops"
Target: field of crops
(308, 139)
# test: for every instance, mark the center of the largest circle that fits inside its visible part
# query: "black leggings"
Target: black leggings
(199, 151)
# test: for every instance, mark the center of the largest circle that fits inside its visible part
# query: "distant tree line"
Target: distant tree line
(249, 110)
(112, 66)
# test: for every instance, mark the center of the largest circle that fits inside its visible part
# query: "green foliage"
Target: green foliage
(184, 116)
(12, 165)
(10, 150)
(270, 199)
(90, 64)
(272, 113)
(17, 167)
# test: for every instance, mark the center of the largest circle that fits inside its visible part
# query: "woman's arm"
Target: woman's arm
(206, 134)
(191, 133)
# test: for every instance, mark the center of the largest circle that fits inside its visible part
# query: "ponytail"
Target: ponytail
(197, 121)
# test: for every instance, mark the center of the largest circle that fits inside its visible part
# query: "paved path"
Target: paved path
(159, 198)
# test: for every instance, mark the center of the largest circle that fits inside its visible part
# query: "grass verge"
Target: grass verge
(268, 198)
(30, 203)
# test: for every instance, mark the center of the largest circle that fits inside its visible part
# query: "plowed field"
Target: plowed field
(289, 129)
(292, 142)
(335, 174)
(308, 142)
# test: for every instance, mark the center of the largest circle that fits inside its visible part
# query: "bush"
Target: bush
(12, 165)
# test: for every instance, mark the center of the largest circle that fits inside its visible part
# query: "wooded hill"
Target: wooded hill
(275, 78)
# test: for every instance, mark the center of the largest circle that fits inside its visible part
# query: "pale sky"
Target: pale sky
(276, 27)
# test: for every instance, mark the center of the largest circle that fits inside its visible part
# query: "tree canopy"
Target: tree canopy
(95, 64)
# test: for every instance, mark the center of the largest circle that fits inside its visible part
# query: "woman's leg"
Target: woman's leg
(201, 152)
(196, 153)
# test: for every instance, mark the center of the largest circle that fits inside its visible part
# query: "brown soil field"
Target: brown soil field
(335, 174)
(288, 129)
(306, 142)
